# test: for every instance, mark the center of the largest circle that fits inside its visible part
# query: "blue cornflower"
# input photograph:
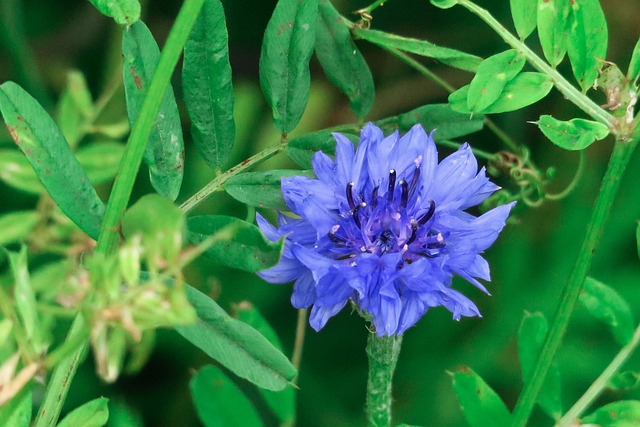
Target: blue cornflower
(385, 227)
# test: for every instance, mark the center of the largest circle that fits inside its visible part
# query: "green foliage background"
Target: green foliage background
(530, 261)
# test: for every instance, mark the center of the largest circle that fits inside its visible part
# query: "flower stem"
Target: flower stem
(218, 182)
(620, 157)
(599, 384)
(383, 355)
(60, 381)
(566, 88)
(373, 6)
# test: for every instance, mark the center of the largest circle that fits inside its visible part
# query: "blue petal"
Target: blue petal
(319, 315)
(312, 200)
(325, 169)
(287, 270)
(344, 158)
(304, 291)
(452, 176)
(267, 229)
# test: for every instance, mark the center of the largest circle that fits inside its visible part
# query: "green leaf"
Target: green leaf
(554, 25)
(17, 411)
(40, 140)
(341, 59)
(94, 413)
(576, 134)
(74, 108)
(15, 226)
(100, 160)
(606, 305)
(16, 171)
(638, 238)
(524, 16)
(284, 60)
(531, 334)
(525, 89)
(124, 12)
(624, 413)
(236, 345)
(453, 58)
(444, 4)
(447, 123)
(261, 189)
(282, 403)
(481, 406)
(625, 381)
(301, 149)
(123, 415)
(164, 151)
(634, 65)
(219, 402)
(207, 85)
(491, 78)
(155, 218)
(588, 41)
(241, 245)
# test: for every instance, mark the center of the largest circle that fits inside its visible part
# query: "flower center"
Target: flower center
(391, 223)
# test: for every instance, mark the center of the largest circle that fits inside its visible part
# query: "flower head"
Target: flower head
(385, 227)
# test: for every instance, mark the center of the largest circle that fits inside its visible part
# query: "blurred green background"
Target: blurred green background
(530, 261)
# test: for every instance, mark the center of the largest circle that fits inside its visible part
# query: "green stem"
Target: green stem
(218, 182)
(592, 393)
(620, 157)
(383, 355)
(60, 381)
(373, 6)
(568, 90)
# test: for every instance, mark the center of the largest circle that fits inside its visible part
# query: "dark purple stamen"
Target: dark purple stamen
(336, 239)
(356, 219)
(404, 195)
(422, 221)
(374, 197)
(426, 217)
(349, 192)
(414, 180)
(392, 185)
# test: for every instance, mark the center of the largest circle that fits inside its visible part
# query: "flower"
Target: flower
(385, 227)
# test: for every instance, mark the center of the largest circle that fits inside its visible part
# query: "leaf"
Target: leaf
(207, 85)
(94, 413)
(164, 151)
(491, 78)
(444, 4)
(236, 345)
(219, 402)
(282, 403)
(16, 171)
(100, 160)
(453, 58)
(261, 189)
(124, 12)
(341, 59)
(625, 381)
(606, 305)
(638, 238)
(587, 41)
(446, 122)
(15, 226)
(525, 89)
(531, 335)
(242, 245)
(624, 413)
(634, 64)
(302, 148)
(576, 134)
(554, 25)
(40, 140)
(524, 16)
(17, 411)
(284, 61)
(480, 404)
(74, 108)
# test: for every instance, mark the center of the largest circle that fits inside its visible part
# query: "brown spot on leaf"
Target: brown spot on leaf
(14, 134)
(136, 77)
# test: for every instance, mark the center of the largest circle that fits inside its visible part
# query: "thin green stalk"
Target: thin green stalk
(60, 381)
(566, 88)
(373, 6)
(574, 182)
(383, 355)
(218, 182)
(600, 384)
(301, 327)
(620, 157)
